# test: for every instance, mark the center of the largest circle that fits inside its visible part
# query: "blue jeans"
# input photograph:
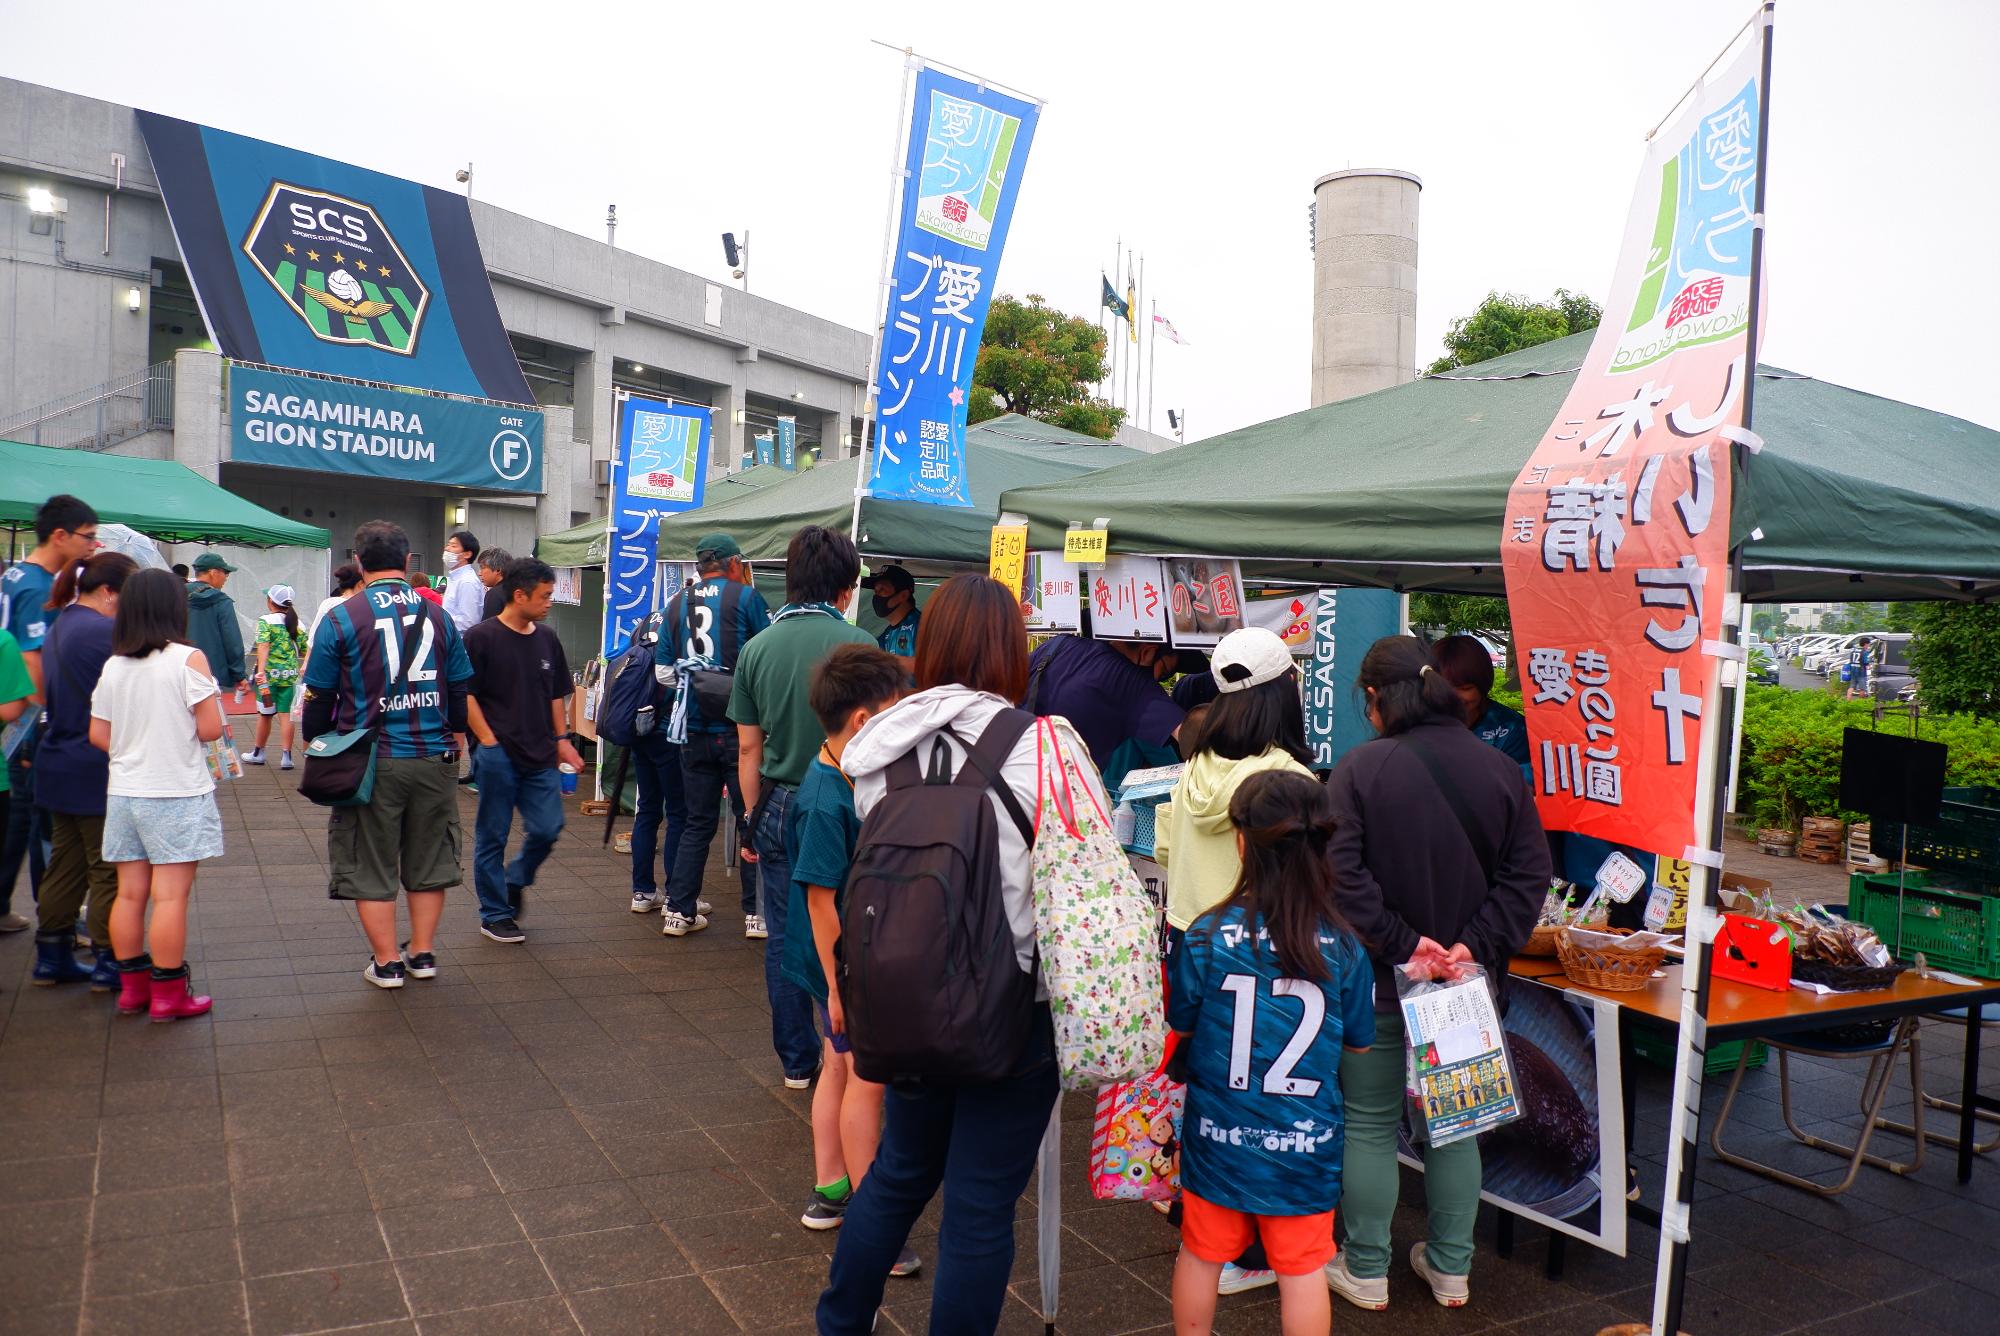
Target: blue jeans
(792, 1032)
(978, 1142)
(26, 836)
(503, 787)
(708, 770)
(658, 806)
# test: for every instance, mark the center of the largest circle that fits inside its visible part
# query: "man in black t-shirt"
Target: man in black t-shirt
(518, 712)
(492, 569)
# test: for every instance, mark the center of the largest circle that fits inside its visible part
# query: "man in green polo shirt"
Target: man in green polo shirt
(778, 736)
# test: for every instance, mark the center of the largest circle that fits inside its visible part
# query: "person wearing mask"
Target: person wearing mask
(778, 735)
(212, 624)
(895, 602)
(519, 712)
(65, 533)
(154, 707)
(75, 775)
(1438, 861)
(492, 568)
(974, 1142)
(1255, 724)
(1468, 666)
(407, 834)
(1109, 689)
(464, 591)
(707, 629)
(280, 656)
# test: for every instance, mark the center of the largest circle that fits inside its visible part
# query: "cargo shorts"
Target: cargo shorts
(406, 835)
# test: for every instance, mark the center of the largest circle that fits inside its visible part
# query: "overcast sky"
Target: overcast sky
(1193, 131)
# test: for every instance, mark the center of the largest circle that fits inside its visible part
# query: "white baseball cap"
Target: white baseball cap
(280, 594)
(1249, 658)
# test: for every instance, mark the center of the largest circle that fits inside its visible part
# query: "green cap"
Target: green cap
(719, 545)
(211, 561)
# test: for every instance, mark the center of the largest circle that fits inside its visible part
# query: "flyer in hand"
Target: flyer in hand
(1460, 1082)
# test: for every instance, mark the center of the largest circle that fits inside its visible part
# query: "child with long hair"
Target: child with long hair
(1269, 989)
(154, 707)
(281, 645)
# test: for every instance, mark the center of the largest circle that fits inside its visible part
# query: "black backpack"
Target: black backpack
(926, 965)
(631, 693)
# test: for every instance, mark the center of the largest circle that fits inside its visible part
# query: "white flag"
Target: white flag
(1165, 328)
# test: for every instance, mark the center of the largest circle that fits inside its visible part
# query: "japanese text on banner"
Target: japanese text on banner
(661, 468)
(1616, 545)
(968, 147)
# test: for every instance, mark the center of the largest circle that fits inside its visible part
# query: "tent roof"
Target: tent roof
(1857, 497)
(1003, 452)
(161, 499)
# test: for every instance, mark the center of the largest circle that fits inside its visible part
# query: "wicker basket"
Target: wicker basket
(1543, 941)
(1610, 971)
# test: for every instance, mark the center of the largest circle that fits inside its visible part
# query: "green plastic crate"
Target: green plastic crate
(1658, 1048)
(1959, 930)
(1965, 838)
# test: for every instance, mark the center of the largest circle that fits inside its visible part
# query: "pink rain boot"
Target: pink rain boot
(174, 998)
(135, 986)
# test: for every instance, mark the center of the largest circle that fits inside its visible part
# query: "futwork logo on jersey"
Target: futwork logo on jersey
(334, 262)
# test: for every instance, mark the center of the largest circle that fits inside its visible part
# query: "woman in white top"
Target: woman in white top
(154, 708)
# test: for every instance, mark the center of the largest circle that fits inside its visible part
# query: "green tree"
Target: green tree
(1956, 657)
(1507, 322)
(1469, 614)
(1036, 360)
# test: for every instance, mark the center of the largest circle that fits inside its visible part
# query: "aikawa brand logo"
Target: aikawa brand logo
(1696, 286)
(335, 264)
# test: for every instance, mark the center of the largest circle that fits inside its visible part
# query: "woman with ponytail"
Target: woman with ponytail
(1439, 861)
(281, 651)
(1272, 997)
(72, 776)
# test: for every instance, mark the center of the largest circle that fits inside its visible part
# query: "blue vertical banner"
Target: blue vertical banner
(661, 467)
(968, 147)
(788, 444)
(767, 452)
(1346, 622)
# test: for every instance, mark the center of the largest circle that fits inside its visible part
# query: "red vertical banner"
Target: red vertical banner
(1616, 548)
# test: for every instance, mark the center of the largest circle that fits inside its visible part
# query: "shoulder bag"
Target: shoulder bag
(340, 767)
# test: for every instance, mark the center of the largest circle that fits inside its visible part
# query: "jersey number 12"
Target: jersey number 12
(1279, 1079)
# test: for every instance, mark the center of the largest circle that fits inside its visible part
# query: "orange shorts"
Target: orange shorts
(1296, 1245)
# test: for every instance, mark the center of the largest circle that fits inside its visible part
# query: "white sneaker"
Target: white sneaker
(646, 903)
(753, 927)
(1371, 1294)
(255, 756)
(1236, 1279)
(680, 925)
(702, 906)
(1451, 1291)
(284, 760)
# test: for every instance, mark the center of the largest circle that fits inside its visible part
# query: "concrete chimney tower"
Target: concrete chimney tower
(1364, 281)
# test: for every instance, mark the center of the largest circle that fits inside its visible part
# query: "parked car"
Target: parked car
(1889, 671)
(1830, 655)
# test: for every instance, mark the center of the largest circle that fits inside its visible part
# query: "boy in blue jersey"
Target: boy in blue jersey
(1268, 990)
(705, 628)
(1468, 666)
(65, 533)
(407, 834)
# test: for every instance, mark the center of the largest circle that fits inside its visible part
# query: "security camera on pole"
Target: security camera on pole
(738, 255)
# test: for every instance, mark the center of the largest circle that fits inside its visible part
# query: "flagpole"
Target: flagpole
(1152, 360)
(1131, 330)
(1118, 289)
(1670, 1278)
(899, 176)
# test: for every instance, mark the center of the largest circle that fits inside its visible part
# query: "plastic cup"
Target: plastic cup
(568, 773)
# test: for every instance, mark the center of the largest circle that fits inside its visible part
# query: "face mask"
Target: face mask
(880, 604)
(451, 560)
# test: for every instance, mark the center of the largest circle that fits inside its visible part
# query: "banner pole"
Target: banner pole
(1152, 359)
(618, 398)
(898, 173)
(1670, 1280)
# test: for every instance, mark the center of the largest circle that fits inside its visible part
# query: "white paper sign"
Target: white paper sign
(1286, 614)
(1055, 589)
(1128, 600)
(1620, 878)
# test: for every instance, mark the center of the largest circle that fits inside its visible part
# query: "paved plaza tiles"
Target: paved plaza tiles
(589, 1133)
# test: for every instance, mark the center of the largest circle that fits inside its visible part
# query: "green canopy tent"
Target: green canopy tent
(161, 499)
(584, 544)
(1853, 496)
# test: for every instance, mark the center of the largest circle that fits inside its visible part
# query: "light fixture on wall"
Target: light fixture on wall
(135, 300)
(740, 419)
(637, 369)
(458, 514)
(44, 207)
(798, 395)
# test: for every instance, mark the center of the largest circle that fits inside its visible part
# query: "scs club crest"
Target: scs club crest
(337, 267)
